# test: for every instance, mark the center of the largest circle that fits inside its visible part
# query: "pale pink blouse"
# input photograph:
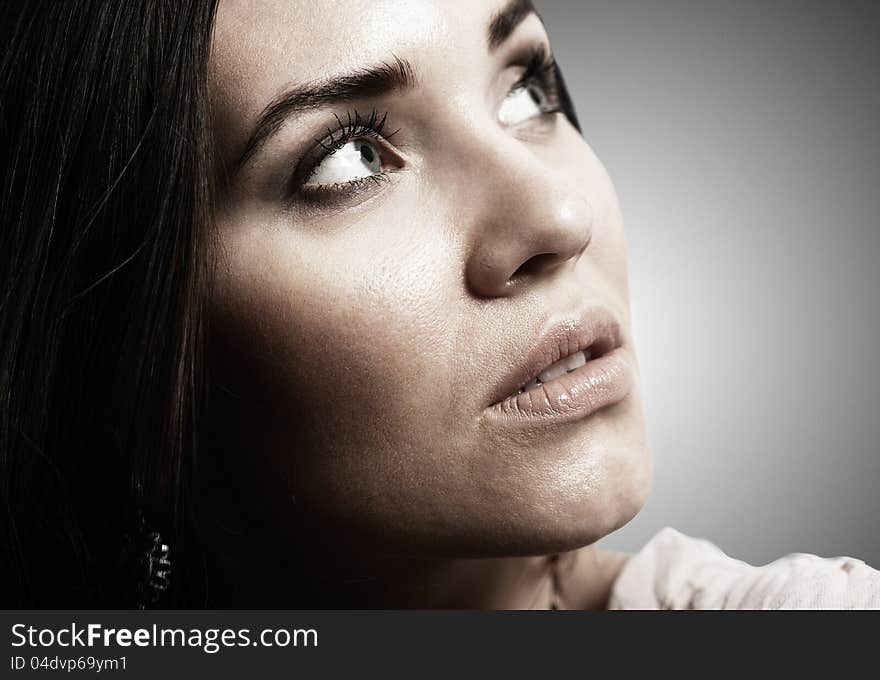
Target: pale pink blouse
(675, 571)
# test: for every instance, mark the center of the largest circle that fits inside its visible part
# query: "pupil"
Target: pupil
(536, 96)
(367, 153)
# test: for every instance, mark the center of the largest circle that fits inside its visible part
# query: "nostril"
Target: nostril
(534, 265)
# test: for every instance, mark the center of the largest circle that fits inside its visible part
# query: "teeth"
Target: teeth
(573, 361)
(553, 371)
(565, 365)
(561, 367)
(534, 382)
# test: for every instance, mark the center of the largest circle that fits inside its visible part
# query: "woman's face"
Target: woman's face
(403, 223)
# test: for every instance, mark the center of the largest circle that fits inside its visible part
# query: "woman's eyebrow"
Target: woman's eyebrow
(367, 82)
(372, 81)
(505, 21)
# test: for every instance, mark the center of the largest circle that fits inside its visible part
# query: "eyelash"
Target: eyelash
(353, 127)
(539, 68)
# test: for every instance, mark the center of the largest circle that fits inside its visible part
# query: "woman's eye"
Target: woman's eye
(356, 159)
(524, 102)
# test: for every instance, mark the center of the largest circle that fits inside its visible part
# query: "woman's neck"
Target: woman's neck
(580, 579)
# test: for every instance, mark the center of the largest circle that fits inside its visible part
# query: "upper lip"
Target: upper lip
(594, 328)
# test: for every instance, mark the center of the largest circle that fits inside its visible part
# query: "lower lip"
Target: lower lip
(598, 383)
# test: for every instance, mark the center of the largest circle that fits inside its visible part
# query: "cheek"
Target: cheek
(343, 351)
(341, 337)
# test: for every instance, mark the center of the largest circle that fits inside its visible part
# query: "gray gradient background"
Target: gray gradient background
(743, 140)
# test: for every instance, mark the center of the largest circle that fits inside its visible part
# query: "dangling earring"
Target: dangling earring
(157, 577)
(147, 556)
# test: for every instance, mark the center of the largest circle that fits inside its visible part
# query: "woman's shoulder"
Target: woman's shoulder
(676, 571)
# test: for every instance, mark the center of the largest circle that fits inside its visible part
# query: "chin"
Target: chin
(558, 491)
(552, 517)
(536, 493)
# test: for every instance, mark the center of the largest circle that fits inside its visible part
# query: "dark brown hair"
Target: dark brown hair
(104, 205)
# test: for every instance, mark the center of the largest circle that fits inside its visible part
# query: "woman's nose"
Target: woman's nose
(528, 220)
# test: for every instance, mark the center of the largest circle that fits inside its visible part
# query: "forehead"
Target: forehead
(261, 46)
